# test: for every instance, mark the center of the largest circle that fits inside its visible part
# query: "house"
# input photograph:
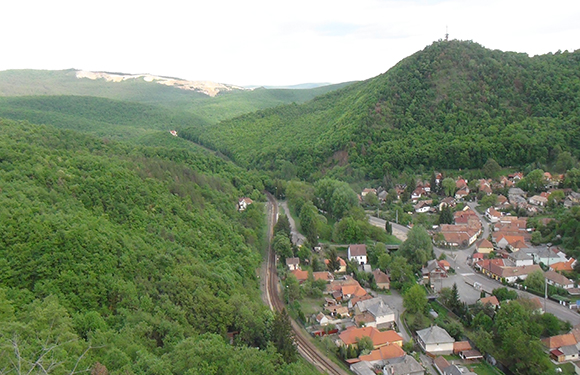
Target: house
(460, 346)
(368, 191)
(556, 342)
(440, 363)
(492, 300)
(406, 365)
(565, 353)
(293, 263)
(322, 319)
(462, 193)
(352, 335)
(433, 271)
(435, 340)
(558, 280)
(300, 275)
(423, 206)
(567, 266)
(484, 247)
(383, 195)
(508, 273)
(493, 215)
(243, 203)
(538, 200)
(447, 202)
(503, 241)
(323, 275)
(521, 258)
(380, 311)
(381, 279)
(342, 268)
(445, 265)
(357, 253)
(384, 353)
(351, 291)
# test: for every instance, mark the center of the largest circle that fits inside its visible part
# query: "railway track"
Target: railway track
(305, 347)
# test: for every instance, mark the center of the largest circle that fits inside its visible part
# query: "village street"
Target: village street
(465, 276)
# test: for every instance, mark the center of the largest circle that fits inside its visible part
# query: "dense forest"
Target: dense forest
(453, 105)
(128, 259)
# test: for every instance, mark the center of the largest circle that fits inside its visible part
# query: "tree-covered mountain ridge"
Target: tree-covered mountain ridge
(452, 105)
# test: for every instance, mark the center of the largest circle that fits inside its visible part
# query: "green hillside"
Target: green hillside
(133, 258)
(98, 116)
(225, 105)
(453, 105)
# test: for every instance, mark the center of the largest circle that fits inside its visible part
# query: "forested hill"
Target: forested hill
(212, 109)
(132, 258)
(453, 105)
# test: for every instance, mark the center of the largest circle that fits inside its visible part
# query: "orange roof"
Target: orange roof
(563, 266)
(484, 244)
(491, 299)
(380, 277)
(555, 342)
(300, 275)
(356, 299)
(356, 290)
(444, 263)
(460, 346)
(389, 351)
(323, 275)
(342, 262)
(351, 334)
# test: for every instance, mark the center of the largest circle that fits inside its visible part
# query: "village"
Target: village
(483, 249)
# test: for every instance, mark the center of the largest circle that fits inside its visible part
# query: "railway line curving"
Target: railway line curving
(305, 347)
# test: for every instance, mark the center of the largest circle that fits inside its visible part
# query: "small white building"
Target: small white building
(357, 253)
(435, 340)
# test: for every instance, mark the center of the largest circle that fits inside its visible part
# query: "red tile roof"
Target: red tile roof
(389, 351)
(351, 334)
(559, 341)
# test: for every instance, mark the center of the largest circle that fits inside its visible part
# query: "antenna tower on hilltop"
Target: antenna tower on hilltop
(446, 34)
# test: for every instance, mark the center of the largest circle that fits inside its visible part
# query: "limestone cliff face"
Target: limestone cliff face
(205, 87)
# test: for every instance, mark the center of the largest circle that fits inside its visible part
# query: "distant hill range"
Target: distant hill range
(452, 105)
(211, 101)
(301, 86)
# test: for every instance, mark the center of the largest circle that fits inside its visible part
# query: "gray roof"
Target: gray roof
(403, 366)
(380, 309)
(516, 191)
(455, 370)
(521, 255)
(435, 335)
(362, 368)
(568, 349)
(376, 306)
(290, 261)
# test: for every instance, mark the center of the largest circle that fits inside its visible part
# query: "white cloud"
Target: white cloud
(268, 42)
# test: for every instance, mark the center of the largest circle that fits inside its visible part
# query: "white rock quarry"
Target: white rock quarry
(205, 87)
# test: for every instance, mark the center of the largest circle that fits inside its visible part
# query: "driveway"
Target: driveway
(297, 237)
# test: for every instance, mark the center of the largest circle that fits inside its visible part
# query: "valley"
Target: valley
(294, 231)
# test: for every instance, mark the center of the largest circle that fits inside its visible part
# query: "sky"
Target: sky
(269, 42)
